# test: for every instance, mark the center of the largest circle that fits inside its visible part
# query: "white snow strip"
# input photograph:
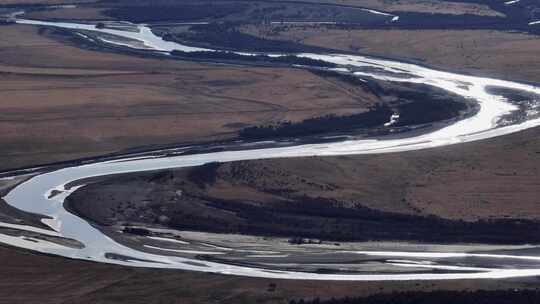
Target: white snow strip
(167, 240)
(32, 244)
(440, 255)
(442, 267)
(268, 256)
(30, 229)
(376, 12)
(183, 251)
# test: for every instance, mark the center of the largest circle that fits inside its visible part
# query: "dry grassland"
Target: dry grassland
(496, 178)
(60, 102)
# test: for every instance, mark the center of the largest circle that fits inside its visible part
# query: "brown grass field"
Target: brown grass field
(78, 13)
(60, 102)
(496, 178)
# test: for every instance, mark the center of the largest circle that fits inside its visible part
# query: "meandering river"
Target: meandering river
(35, 195)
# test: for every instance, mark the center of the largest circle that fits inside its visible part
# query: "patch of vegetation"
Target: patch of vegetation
(255, 59)
(251, 11)
(204, 175)
(320, 218)
(439, 297)
(377, 116)
(226, 36)
(426, 109)
(136, 231)
(412, 20)
(177, 12)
